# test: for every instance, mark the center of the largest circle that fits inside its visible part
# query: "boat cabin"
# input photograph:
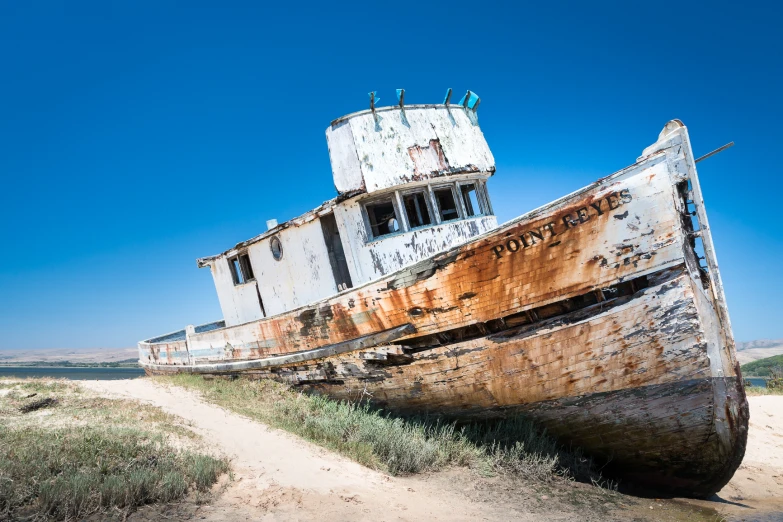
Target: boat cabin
(411, 182)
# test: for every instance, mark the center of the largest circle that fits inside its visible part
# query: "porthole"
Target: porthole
(277, 248)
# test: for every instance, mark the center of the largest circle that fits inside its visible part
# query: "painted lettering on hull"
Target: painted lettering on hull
(562, 224)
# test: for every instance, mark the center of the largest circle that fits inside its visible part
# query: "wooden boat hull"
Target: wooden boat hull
(591, 315)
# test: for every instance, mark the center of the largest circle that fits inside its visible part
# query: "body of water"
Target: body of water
(95, 374)
(761, 382)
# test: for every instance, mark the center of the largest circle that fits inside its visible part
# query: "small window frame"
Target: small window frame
(245, 274)
(424, 191)
(457, 199)
(489, 211)
(393, 196)
(484, 209)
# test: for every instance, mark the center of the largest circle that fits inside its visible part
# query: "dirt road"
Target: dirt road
(278, 476)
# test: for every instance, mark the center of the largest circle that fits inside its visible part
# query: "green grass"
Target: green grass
(392, 444)
(85, 455)
(758, 390)
(763, 367)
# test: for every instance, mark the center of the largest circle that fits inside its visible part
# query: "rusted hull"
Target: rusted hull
(660, 437)
(591, 315)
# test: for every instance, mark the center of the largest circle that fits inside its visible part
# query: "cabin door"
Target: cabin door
(342, 277)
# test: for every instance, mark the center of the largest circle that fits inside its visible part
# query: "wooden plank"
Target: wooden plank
(359, 343)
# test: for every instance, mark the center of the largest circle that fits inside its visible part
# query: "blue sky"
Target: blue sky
(137, 137)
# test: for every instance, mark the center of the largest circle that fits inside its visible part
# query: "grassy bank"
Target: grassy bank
(66, 454)
(395, 445)
(763, 367)
(758, 390)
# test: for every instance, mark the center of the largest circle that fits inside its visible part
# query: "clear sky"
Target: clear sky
(138, 136)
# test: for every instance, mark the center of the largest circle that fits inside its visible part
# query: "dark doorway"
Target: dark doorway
(342, 277)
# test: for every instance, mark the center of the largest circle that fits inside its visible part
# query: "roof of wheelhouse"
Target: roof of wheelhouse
(380, 148)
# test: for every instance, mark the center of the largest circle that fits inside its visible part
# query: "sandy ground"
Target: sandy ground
(278, 476)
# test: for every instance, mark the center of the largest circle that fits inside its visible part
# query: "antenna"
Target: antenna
(373, 99)
(714, 152)
(401, 97)
(448, 97)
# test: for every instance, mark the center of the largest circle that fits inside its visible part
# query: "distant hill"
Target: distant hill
(760, 349)
(763, 367)
(760, 343)
(73, 356)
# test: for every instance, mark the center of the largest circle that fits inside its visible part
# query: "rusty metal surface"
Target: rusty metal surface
(654, 338)
(300, 357)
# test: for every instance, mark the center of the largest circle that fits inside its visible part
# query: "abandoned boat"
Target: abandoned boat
(593, 315)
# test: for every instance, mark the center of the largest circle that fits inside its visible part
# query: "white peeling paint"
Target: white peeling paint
(375, 151)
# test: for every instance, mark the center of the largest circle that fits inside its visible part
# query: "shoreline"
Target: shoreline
(68, 367)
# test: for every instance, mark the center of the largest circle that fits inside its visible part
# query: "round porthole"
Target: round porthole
(277, 248)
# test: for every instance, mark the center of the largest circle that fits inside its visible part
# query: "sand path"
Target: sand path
(278, 476)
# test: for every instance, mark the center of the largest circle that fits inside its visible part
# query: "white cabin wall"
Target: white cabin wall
(346, 170)
(368, 261)
(302, 276)
(239, 303)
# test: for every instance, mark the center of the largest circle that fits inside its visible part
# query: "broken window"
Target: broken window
(470, 197)
(382, 217)
(416, 209)
(241, 270)
(447, 205)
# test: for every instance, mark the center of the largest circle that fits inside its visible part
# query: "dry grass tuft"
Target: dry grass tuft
(397, 445)
(758, 390)
(83, 455)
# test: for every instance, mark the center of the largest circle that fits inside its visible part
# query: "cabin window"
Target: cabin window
(404, 210)
(241, 270)
(382, 217)
(276, 247)
(447, 204)
(416, 209)
(470, 197)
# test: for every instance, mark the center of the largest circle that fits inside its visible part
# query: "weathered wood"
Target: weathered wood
(309, 355)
